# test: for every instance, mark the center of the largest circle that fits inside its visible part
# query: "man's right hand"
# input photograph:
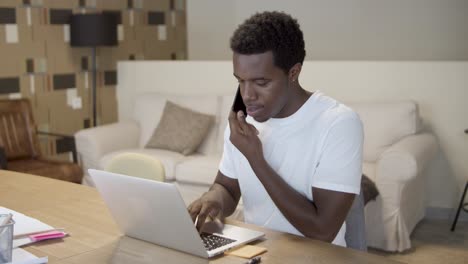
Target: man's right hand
(209, 205)
(219, 202)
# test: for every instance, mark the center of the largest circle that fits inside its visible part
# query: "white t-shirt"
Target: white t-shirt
(320, 145)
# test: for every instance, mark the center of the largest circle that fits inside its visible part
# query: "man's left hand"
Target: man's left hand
(244, 136)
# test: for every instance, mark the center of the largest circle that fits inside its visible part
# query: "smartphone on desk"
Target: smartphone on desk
(238, 104)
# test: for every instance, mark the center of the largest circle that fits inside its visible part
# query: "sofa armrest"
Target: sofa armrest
(93, 143)
(405, 159)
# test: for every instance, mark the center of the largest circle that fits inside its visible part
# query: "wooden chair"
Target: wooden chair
(20, 145)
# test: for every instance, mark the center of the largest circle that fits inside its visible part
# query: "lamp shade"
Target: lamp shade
(87, 30)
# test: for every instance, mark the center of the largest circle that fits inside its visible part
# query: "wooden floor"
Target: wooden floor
(434, 243)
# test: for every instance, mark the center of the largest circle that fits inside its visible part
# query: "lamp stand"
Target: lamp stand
(94, 87)
(93, 30)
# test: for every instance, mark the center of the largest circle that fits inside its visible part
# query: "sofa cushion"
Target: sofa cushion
(198, 169)
(148, 109)
(180, 129)
(385, 124)
(168, 158)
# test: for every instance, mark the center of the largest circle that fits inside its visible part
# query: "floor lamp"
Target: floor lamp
(93, 30)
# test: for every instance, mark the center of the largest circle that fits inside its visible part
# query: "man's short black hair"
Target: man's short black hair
(275, 31)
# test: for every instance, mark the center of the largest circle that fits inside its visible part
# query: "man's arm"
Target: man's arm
(321, 218)
(220, 200)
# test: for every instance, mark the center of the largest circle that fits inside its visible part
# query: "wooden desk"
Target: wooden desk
(95, 237)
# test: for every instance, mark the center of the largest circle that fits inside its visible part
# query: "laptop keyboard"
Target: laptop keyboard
(212, 241)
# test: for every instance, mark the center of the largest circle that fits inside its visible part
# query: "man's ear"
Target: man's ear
(294, 72)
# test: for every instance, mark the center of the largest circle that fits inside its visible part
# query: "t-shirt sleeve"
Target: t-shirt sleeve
(340, 159)
(226, 166)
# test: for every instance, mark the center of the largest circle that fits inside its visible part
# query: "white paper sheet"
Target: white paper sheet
(21, 256)
(24, 225)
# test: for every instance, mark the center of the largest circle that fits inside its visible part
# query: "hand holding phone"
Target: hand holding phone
(244, 136)
(238, 104)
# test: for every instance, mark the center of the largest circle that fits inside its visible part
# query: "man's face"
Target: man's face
(264, 87)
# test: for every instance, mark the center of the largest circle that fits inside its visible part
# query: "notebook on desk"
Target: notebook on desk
(155, 212)
(25, 226)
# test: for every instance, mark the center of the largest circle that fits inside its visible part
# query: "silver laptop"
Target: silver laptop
(155, 212)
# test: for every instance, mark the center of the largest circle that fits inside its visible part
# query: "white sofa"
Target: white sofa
(395, 156)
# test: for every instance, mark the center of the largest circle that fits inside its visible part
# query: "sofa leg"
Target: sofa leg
(459, 208)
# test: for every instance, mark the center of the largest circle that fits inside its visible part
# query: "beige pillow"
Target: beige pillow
(180, 129)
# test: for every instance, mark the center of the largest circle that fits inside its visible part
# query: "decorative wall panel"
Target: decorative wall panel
(37, 61)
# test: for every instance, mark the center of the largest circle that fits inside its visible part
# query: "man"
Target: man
(296, 158)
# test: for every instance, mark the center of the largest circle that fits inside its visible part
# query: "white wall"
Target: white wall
(370, 30)
(342, 29)
(209, 27)
(440, 88)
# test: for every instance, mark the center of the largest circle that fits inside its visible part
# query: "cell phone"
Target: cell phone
(238, 104)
